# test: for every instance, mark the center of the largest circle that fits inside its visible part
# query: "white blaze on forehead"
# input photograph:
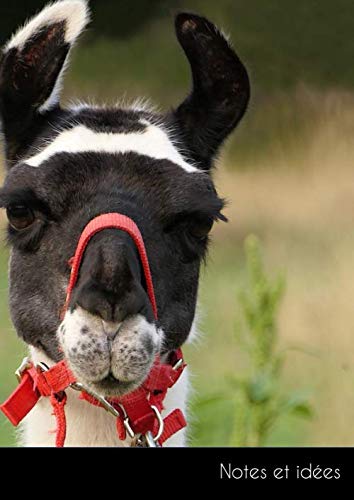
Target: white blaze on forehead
(152, 142)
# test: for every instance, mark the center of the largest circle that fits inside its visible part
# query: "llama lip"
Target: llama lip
(111, 378)
(110, 386)
(111, 329)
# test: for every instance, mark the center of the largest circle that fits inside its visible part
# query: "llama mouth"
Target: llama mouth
(113, 387)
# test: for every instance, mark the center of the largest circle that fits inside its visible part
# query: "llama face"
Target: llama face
(66, 166)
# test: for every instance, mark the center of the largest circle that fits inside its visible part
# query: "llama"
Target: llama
(65, 166)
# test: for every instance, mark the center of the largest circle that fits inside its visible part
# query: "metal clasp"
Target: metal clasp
(148, 440)
(78, 386)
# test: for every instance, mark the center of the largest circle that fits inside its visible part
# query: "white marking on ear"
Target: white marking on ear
(54, 97)
(153, 142)
(74, 12)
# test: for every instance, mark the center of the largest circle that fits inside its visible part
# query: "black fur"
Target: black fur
(27, 78)
(174, 209)
(220, 91)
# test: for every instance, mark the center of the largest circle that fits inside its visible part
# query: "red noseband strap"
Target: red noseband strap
(109, 221)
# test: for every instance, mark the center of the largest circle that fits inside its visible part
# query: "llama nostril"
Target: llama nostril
(111, 329)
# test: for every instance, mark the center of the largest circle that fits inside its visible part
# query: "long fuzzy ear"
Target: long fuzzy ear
(220, 92)
(32, 65)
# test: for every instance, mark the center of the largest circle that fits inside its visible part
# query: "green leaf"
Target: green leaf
(303, 410)
(260, 389)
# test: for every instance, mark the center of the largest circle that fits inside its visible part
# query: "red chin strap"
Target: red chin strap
(138, 413)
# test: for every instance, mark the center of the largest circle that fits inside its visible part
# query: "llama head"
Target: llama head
(66, 166)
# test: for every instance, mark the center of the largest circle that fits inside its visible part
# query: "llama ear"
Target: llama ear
(32, 65)
(220, 91)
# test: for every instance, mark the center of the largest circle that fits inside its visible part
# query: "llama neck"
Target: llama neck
(88, 425)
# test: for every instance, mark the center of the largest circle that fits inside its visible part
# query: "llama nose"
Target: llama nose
(110, 282)
(112, 307)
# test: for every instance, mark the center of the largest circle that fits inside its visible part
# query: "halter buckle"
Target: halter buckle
(145, 441)
(25, 365)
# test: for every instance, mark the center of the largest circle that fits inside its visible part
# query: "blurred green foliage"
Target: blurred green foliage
(259, 402)
(255, 402)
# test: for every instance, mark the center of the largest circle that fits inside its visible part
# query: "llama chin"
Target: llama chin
(66, 166)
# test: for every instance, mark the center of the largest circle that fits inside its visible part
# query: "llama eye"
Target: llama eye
(20, 216)
(201, 228)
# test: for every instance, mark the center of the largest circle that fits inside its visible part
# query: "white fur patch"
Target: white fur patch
(194, 334)
(176, 398)
(54, 97)
(74, 12)
(88, 353)
(153, 142)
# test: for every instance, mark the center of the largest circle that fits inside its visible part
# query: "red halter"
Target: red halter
(137, 413)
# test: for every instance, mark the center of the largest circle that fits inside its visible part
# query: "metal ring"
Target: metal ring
(125, 414)
(78, 386)
(43, 366)
(178, 364)
(161, 423)
(129, 430)
(126, 422)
